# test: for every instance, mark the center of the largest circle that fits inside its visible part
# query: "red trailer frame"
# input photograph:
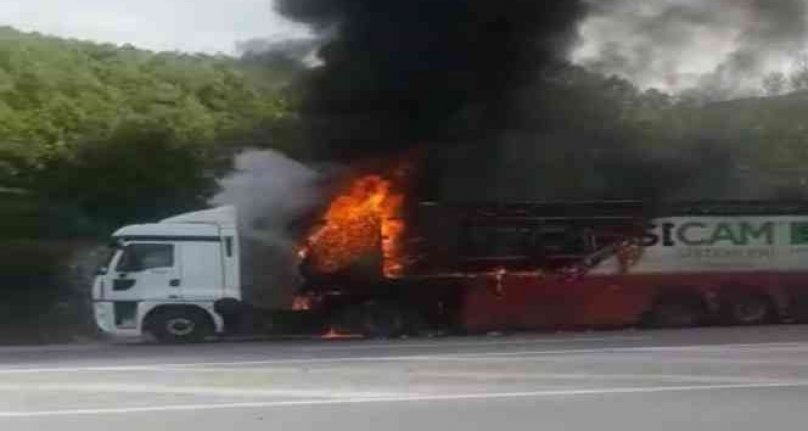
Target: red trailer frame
(483, 267)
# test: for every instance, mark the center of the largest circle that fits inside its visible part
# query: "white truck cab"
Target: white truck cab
(165, 278)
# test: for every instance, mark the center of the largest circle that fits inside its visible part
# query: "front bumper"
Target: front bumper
(104, 316)
(104, 313)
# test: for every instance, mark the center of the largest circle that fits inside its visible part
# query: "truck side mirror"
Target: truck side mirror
(101, 270)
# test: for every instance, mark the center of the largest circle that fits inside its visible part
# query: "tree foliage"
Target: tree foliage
(120, 131)
(582, 135)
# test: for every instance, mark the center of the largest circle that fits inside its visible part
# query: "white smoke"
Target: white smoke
(270, 191)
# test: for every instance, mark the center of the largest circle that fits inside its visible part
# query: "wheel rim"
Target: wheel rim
(180, 326)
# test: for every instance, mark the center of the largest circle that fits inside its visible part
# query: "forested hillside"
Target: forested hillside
(79, 120)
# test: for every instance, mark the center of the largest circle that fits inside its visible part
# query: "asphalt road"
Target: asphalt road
(717, 379)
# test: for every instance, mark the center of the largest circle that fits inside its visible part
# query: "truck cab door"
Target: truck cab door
(202, 270)
(144, 271)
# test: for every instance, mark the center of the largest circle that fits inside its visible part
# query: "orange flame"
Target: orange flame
(301, 303)
(363, 220)
(334, 334)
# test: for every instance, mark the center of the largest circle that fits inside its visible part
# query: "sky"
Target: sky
(209, 26)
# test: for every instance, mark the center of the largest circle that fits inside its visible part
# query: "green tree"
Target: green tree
(72, 112)
(142, 170)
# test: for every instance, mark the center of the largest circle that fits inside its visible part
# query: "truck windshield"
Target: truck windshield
(140, 257)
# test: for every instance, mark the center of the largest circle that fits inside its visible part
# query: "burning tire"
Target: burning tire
(749, 310)
(180, 325)
(677, 312)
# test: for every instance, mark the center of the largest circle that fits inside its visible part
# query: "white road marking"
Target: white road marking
(189, 390)
(440, 343)
(53, 348)
(405, 398)
(797, 363)
(519, 355)
(482, 375)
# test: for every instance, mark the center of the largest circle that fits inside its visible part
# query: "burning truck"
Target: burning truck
(378, 265)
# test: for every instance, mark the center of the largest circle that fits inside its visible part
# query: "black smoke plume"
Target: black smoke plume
(400, 73)
(662, 42)
(486, 88)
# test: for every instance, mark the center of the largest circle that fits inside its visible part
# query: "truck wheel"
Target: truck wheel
(749, 310)
(676, 313)
(180, 325)
(370, 319)
(348, 320)
(381, 321)
(415, 324)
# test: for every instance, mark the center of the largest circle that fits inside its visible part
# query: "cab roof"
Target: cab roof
(198, 225)
(166, 231)
(224, 215)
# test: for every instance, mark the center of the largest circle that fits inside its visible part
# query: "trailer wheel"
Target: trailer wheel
(749, 310)
(414, 324)
(381, 321)
(373, 319)
(180, 325)
(676, 312)
(348, 320)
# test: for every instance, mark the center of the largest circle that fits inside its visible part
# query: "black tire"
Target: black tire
(348, 320)
(180, 325)
(749, 310)
(234, 315)
(677, 313)
(415, 324)
(371, 319)
(382, 321)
